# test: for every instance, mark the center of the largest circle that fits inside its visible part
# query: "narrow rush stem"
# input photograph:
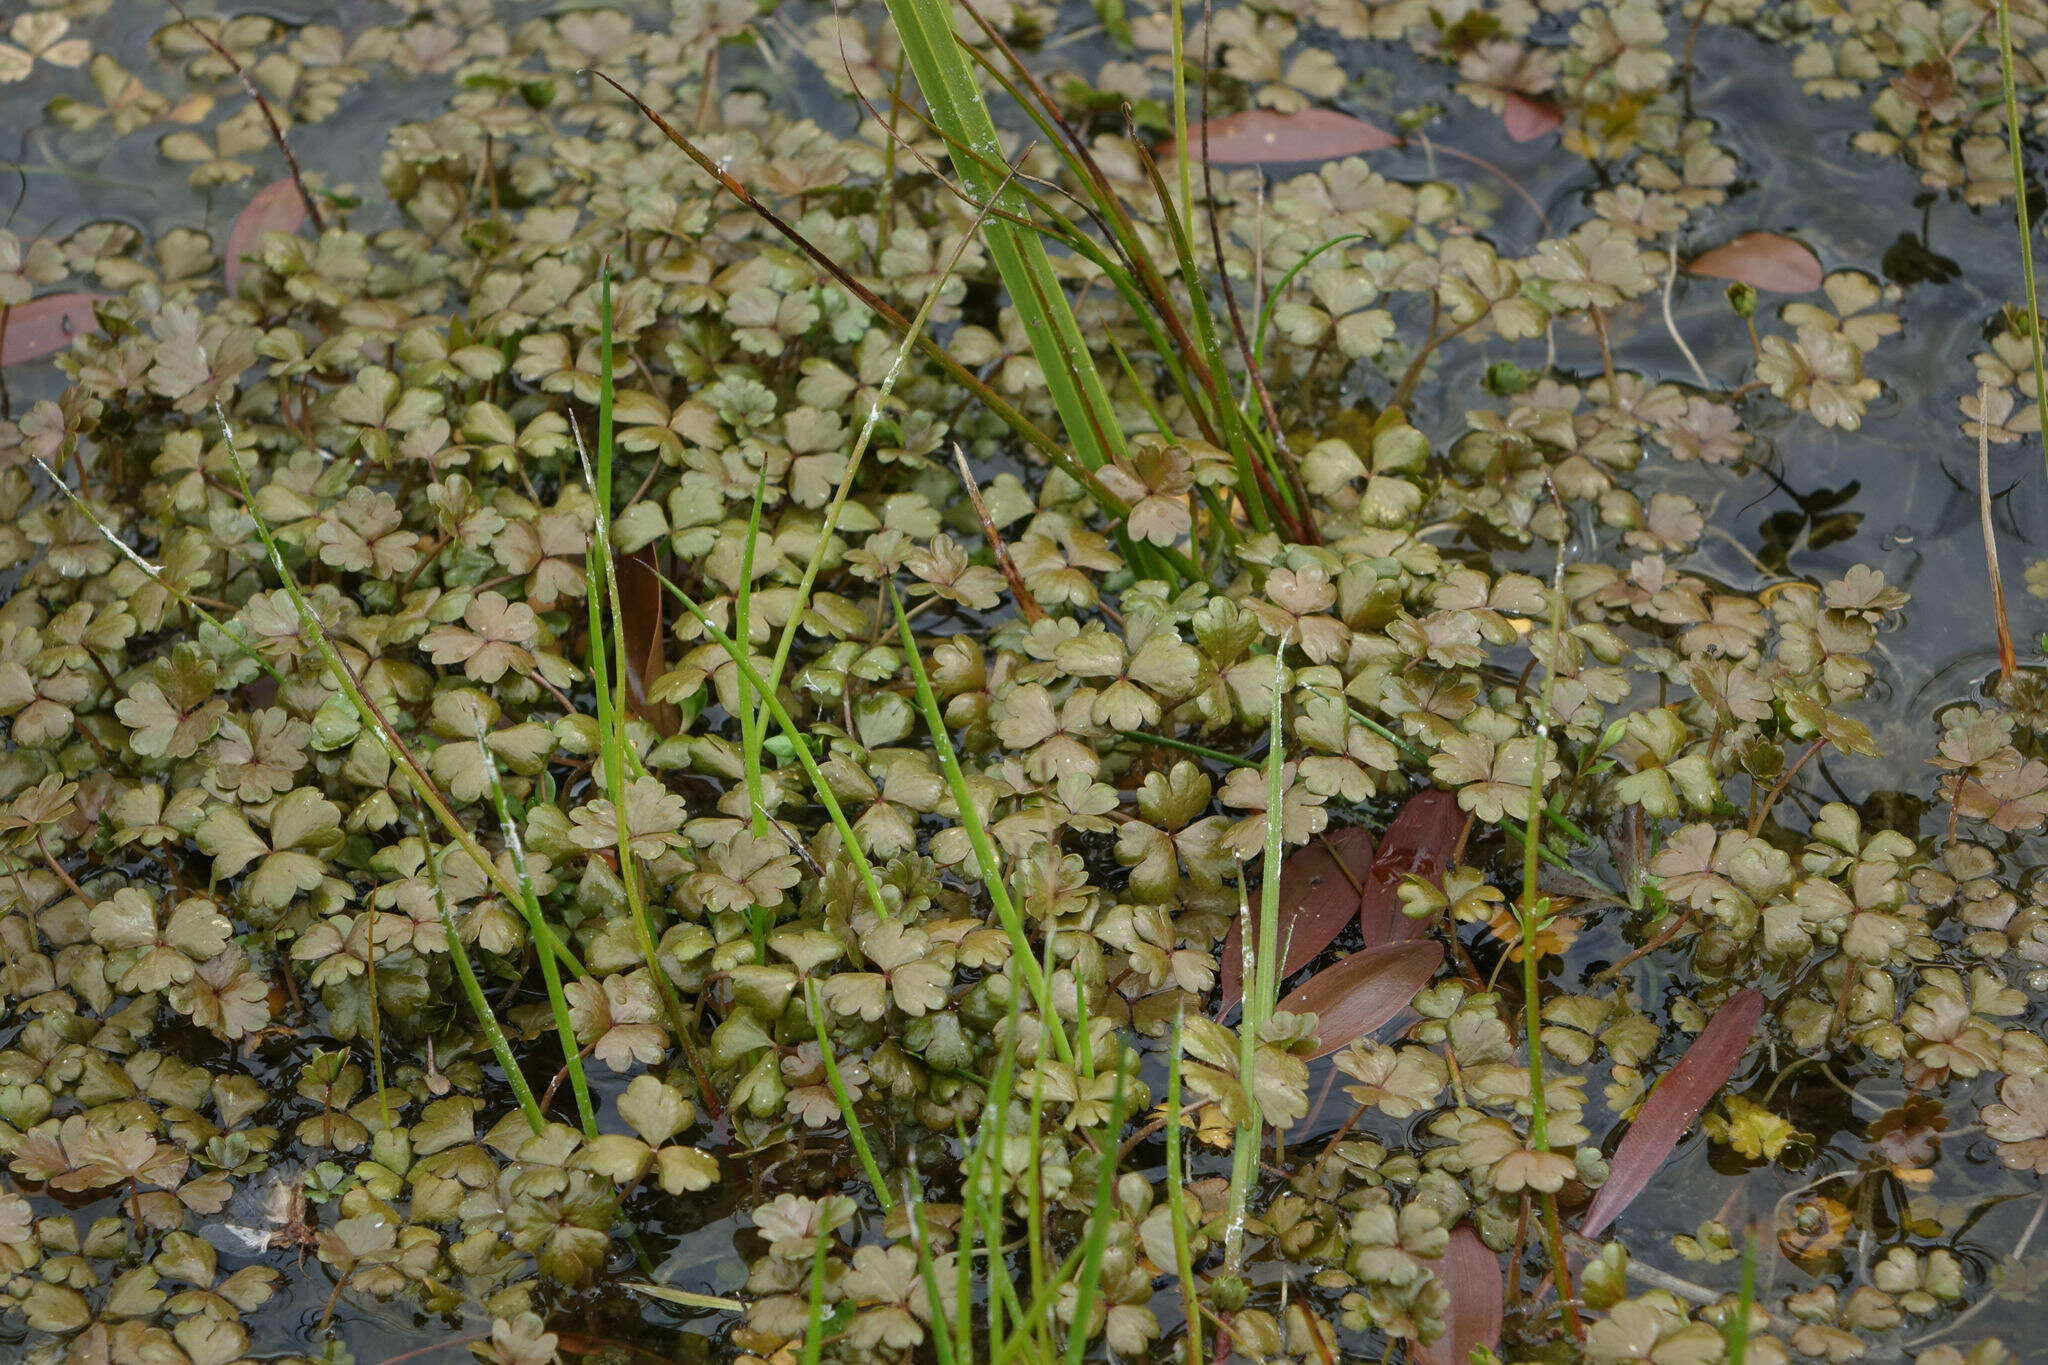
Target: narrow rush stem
(2007, 662)
(2019, 208)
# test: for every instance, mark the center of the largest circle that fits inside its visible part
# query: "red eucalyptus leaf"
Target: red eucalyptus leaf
(1471, 1276)
(1419, 842)
(1673, 1105)
(1261, 135)
(43, 327)
(1763, 260)
(1364, 991)
(1526, 120)
(276, 207)
(1316, 900)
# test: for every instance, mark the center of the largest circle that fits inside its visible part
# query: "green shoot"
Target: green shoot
(797, 742)
(985, 858)
(387, 735)
(494, 1036)
(2019, 196)
(1263, 979)
(1177, 1204)
(529, 907)
(854, 1131)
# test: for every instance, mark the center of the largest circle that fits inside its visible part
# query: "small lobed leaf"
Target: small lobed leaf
(1257, 136)
(1673, 1105)
(1764, 260)
(1363, 992)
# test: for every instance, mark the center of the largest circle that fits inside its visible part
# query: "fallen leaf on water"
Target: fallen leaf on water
(1363, 991)
(642, 619)
(43, 327)
(1316, 900)
(1763, 260)
(1526, 120)
(1470, 1274)
(1673, 1105)
(1261, 135)
(1419, 842)
(277, 207)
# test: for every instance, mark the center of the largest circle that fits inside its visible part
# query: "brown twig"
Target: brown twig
(1027, 605)
(1011, 417)
(1756, 821)
(269, 116)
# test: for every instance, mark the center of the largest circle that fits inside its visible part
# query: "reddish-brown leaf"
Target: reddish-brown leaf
(1471, 1276)
(640, 612)
(1763, 260)
(1526, 120)
(1316, 899)
(1673, 1105)
(276, 207)
(1363, 991)
(1261, 135)
(43, 327)
(1419, 842)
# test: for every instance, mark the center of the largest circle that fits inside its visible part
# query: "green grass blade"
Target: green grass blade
(1177, 1204)
(854, 1132)
(473, 991)
(947, 79)
(1100, 1217)
(2019, 194)
(529, 906)
(798, 742)
(814, 1314)
(977, 838)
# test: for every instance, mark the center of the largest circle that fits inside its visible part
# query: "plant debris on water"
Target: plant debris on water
(1035, 680)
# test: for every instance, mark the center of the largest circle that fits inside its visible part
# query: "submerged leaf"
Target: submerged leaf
(43, 327)
(1316, 899)
(1673, 1105)
(1471, 1276)
(1764, 260)
(643, 623)
(277, 207)
(1417, 844)
(1526, 120)
(1363, 992)
(1262, 135)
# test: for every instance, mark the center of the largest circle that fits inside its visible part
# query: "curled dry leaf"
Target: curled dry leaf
(43, 327)
(1264, 135)
(1763, 260)
(1673, 1105)
(1528, 119)
(1418, 843)
(1316, 898)
(277, 207)
(1363, 991)
(641, 612)
(1471, 1276)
